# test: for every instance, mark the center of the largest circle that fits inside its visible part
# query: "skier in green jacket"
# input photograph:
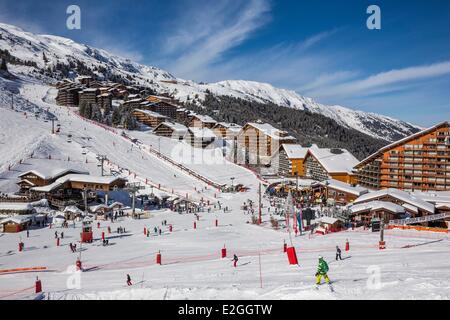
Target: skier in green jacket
(322, 270)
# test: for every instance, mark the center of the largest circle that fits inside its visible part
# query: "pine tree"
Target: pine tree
(3, 65)
(116, 117)
(82, 109)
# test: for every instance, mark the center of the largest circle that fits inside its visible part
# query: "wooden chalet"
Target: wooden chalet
(16, 224)
(342, 193)
(163, 105)
(68, 95)
(257, 142)
(414, 206)
(200, 121)
(200, 137)
(171, 130)
(227, 130)
(323, 164)
(89, 96)
(39, 178)
(149, 118)
(290, 160)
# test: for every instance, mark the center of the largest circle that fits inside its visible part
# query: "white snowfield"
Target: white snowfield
(416, 265)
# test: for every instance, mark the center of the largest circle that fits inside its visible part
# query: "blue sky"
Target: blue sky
(320, 49)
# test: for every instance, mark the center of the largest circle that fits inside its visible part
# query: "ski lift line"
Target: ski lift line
(162, 188)
(159, 155)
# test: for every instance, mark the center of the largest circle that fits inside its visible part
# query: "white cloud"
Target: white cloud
(386, 81)
(208, 36)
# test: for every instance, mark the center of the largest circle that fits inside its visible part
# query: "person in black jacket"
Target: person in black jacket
(338, 253)
(129, 280)
(235, 261)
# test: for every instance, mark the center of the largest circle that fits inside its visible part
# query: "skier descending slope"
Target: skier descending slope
(235, 261)
(129, 280)
(322, 270)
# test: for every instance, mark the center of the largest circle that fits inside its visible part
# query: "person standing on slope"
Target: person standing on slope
(235, 261)
(129, 280)
(338, 253)
(322, 270)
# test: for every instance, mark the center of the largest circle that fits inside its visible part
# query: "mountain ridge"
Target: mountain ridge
(48, 51)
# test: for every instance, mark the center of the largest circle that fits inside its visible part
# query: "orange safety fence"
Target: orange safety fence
(419, 228)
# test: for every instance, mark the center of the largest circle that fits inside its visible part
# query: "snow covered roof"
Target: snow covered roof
(402, 141)
(271, 131)
(230, 126)
(327, 220)
(205, 119)
(333, 162)
(433, 197)
(73, 209)
(16, 206)
(139, 100)
(345, 187)
(90, 90)
(376, 205)
(47, 172)
(202, 132)
(17, 219)
(410, 207)
(295, 151)
(179, 128)
(397, 194)
(151, 113)
(99, 207)
(83, 178)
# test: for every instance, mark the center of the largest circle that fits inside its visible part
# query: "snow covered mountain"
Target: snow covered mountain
(53, 53)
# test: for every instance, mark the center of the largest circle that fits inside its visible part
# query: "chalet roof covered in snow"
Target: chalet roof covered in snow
(204, 133)
(16, 206)
(376, 205)
(441, 197)
(151, 113)
(271, 131)
(17, 219)
(327, 220)
(90, 90)
(345, 187)
(397, 194)
(177, 127)
(73, 209)
(230, 126)
(138, 100)
(47, 172)
(295, 151)
(334, 162)
(76, 178)
(205, 119)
